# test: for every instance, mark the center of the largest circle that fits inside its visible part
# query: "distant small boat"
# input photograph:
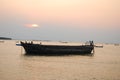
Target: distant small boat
(1, 41)
(39, 49)
(99, 46)
(116, 44)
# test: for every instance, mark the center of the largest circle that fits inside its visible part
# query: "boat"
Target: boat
(42, 49)
(1, 41)
(99, 46)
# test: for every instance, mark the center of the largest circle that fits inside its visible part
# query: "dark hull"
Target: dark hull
(37, 49)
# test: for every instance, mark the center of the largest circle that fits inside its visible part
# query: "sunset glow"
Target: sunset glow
(31, 25)
(34, 25)
(73, 18)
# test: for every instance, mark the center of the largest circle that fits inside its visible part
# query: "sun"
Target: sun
(31, 25)
(35, 25)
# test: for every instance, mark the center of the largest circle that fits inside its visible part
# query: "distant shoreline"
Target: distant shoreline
(5, 38)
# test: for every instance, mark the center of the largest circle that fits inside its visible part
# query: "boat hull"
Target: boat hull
(37, 49)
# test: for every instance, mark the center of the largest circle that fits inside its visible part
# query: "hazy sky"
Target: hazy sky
(66, 20)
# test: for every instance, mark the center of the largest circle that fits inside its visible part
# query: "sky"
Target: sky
(61, 20)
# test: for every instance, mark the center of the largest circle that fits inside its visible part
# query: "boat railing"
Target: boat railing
(91, 43)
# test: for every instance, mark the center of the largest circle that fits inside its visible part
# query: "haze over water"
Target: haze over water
(14, 65)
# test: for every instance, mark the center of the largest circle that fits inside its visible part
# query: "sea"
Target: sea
(104, 64)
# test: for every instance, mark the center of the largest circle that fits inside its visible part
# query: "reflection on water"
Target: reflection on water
(15, 65)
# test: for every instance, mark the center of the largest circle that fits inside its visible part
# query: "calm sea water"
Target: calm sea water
(14, 65)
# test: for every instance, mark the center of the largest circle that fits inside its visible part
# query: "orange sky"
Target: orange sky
(81, 12)
(88, 14)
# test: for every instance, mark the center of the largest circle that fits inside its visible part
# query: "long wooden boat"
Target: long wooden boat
(40, 49)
